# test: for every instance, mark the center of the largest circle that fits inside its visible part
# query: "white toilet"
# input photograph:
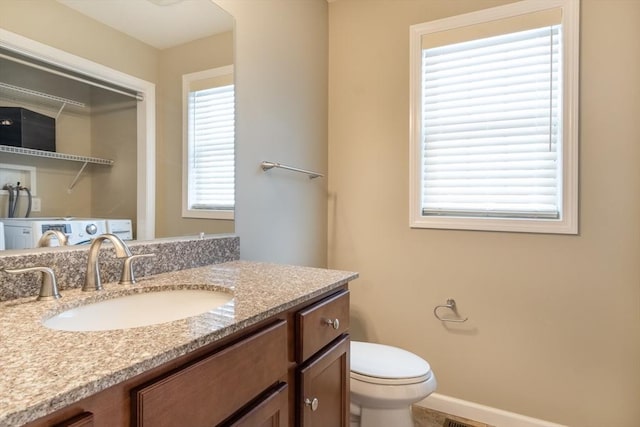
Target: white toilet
(385, 382)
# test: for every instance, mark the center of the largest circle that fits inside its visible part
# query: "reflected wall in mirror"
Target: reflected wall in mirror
(106, 126)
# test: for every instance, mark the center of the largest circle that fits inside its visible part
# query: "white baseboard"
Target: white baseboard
(484, 414)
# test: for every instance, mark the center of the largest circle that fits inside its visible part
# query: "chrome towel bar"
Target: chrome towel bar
(270, 165)
(451, 305)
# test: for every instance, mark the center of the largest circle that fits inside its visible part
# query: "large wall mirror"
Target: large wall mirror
(110, 74)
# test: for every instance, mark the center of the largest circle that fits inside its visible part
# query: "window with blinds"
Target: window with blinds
(490, 146)
(209, 148)
(492, 126)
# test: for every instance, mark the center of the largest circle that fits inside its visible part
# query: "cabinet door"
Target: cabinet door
(272, 411)
(323, 398)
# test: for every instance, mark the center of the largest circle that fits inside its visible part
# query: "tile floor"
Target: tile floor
(424, 417)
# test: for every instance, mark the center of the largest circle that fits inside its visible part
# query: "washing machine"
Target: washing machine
(120, 227)
(24, 233)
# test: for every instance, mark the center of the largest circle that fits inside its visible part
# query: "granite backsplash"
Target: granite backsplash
(70, 263)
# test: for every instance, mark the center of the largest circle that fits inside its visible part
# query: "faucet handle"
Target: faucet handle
(48, 286)
(127, 277)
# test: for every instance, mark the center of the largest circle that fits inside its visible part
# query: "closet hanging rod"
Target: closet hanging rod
(270, 165)
(71, 76)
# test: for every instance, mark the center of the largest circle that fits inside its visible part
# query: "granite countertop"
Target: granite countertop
(43, 370)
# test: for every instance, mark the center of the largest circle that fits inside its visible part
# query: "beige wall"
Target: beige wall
(51, 23)
(554, 321)
(114, 136)
(281, 110)
(199, 55)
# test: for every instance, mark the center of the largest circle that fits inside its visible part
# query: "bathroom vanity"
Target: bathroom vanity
(277, 354)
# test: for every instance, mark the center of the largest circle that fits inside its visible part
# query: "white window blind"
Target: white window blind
(492, 126)
(211, 148)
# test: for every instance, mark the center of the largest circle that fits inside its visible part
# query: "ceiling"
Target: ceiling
(159, 23)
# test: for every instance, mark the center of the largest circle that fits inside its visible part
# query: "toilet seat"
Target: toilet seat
(386, 365)
(390, 381)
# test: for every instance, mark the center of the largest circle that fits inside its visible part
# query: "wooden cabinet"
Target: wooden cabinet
(323, 351)
(257, 377)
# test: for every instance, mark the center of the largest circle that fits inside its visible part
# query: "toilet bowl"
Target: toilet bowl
(385, 382)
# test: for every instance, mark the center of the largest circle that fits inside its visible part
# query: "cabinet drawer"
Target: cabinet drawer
(84, 419)
(271, 411)
(212, 389)
(320, 324)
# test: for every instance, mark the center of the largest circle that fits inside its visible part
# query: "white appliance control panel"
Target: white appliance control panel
(121, 228)
(24, 233)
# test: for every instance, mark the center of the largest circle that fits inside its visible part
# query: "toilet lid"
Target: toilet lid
(386, 363)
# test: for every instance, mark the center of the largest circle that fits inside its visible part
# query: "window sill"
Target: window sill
(208, 214)
(525, 225)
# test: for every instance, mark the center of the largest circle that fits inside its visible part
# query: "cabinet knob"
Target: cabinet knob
(335, 323)
(313, 403)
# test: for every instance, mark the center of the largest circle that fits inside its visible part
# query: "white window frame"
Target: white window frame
(568, 221)
(187, 80)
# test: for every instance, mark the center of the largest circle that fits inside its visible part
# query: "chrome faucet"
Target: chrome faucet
(92, 281)
(46, 237)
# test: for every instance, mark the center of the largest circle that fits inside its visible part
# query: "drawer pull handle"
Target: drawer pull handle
(313, 403)
(335, 323)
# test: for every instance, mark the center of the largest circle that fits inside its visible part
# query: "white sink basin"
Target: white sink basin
(142, 309)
